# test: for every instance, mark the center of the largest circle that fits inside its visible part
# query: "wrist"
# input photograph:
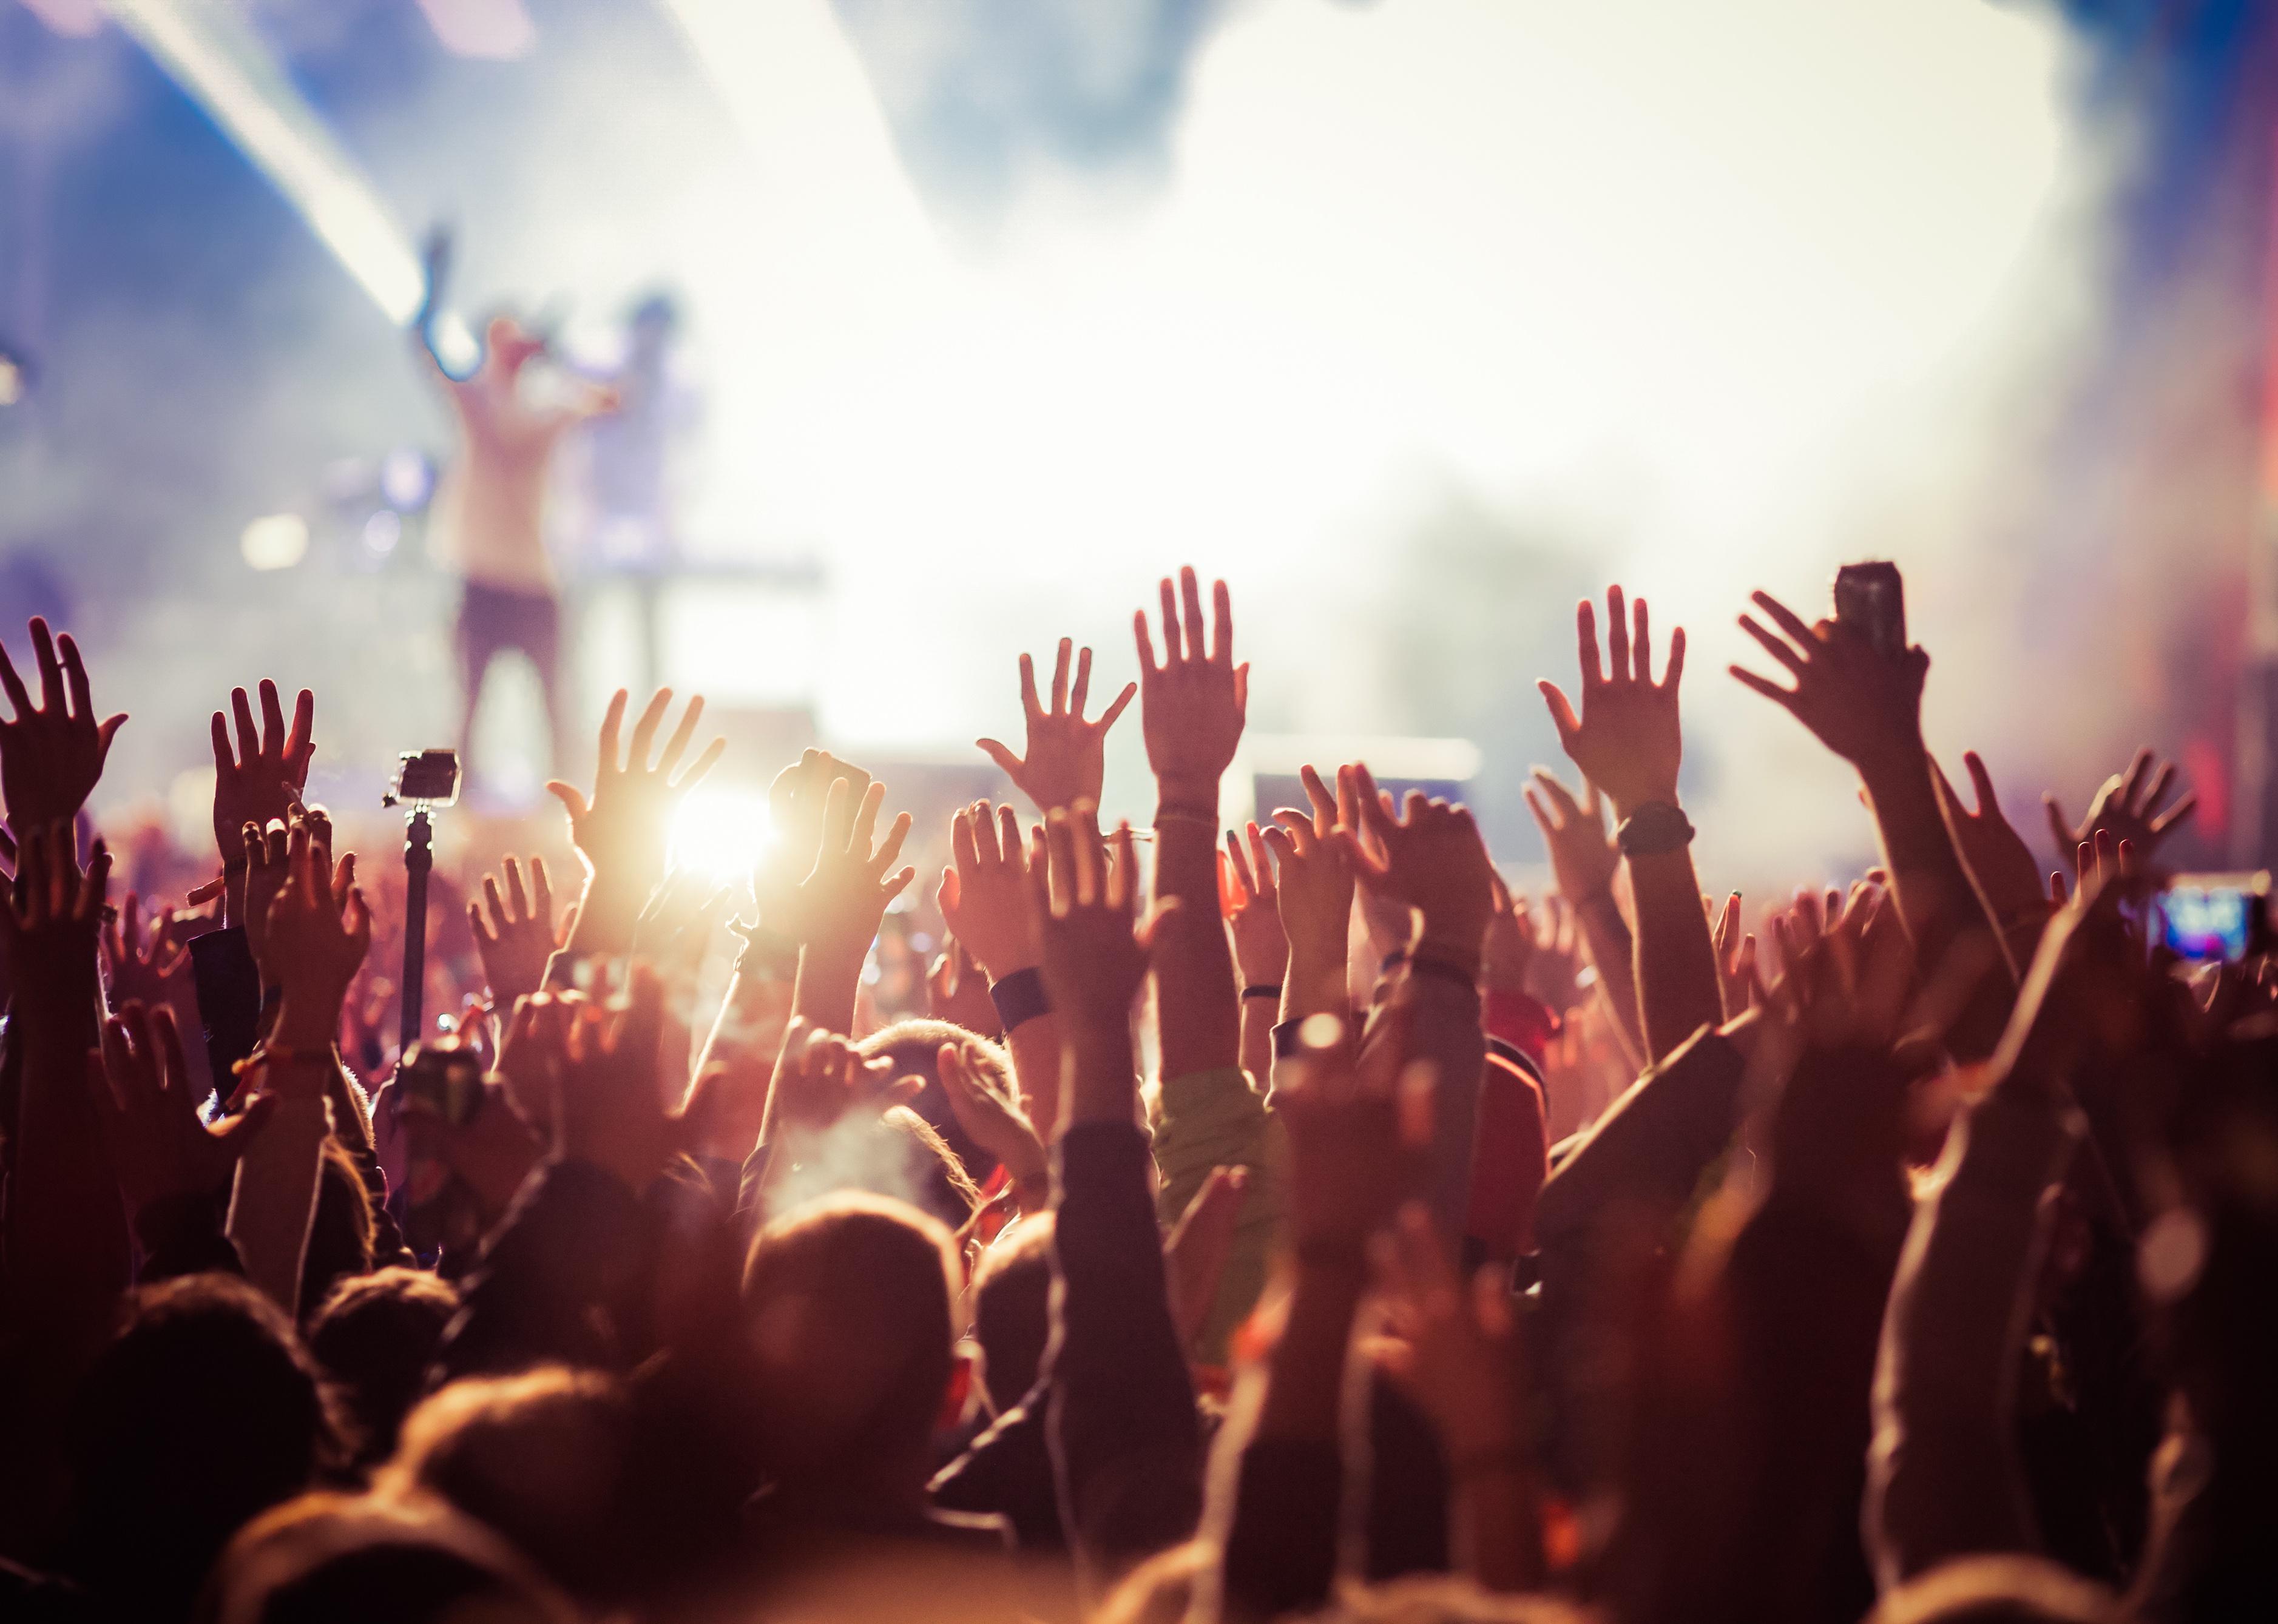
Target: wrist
(1625, 802)
(1187, 793)
(306, 1019)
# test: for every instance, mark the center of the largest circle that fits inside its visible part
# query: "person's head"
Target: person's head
(1012, 1299)
(1998, 1589)
(914, 1047)
(540, 1458)
(328, 1558)
(201, 1412)
(847, 1316)
(375, 1334)
(340, 1230)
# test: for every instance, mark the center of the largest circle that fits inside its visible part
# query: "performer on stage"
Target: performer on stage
(492, 510)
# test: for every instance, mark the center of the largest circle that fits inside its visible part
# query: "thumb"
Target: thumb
(572, 798)
(1003, 758)
(106, 732)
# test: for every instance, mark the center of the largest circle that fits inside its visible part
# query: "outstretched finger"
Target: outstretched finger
(1060, 676)
(1585, 638)
(1562, 710)
(1785, 618)
(1981, 784)
(1031, 706)
(272, 720)
(1785, 697)
(1641, 642)
(51, 671)
(1173, 640)
(1080, 695)
(1191, 601)
(1617, 634)
(677, 744)
(613, 723)
(2174, 815)
(82, 699)
(1222, 624)
(18, 699)
(1107, 717)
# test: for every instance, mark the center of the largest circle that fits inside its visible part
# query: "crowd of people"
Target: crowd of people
(1283, 1221)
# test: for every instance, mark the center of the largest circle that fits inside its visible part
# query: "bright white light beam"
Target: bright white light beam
(213, 54)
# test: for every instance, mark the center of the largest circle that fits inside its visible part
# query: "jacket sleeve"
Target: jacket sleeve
(1212, 1119)
(1126, 1442)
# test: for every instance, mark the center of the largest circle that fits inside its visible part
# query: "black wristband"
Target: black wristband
(1653, 830)
(1426, 963)
(1263, 989)
(1019, 997)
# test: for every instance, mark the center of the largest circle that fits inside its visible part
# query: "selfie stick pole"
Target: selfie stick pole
(418, 859)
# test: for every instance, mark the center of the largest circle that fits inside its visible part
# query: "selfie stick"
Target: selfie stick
(428, 779)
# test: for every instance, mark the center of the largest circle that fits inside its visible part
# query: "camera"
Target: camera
(425, 778)
(2214, 918)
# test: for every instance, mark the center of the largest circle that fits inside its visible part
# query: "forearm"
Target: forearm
(1944, 1479)
(1196, 1002)
(608, 913)
(1612, 951)
(830, 978)
(1305, 1374)
(1125, 1443)
(1258, 1018)
(1035, 1045)
(1315, 981)
(1448, 1037)
(67, 1246)
(1957, 941)
(1678, 991)
(1494, 1525)
(274, 1201)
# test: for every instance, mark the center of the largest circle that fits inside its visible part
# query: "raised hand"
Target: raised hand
(1250, 900)
(1736, 956)
(985, 898)
(140, 1082)
(1313, 886)
(1998, 858)
(514, 932)
(607, 1109)
(1067, 757)
(2127, 807)
(51, 917)
(621, 831)
(1508, 953)
(844, 895)
(1359, 1128)
(1191, 706)
(957, 991)
(319, 933)
(1863, 706)
(997, 1126)
(138, 966)
(50, 753)
(1086, 895)
(795, 803)
(1455, 1348)
(1625, 736)
(1584, 858)
(821, 1079)
(260, 781)
(1431, 859)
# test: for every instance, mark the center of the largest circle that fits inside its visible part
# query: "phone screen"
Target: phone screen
(2208, 924)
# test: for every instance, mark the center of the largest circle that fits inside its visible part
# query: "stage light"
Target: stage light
(722, 833)
(277, 541)
(212, 52)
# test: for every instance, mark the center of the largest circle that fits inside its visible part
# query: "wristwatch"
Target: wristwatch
(1655, 828)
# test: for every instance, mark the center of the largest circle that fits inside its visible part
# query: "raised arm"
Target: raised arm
(1867, 708)
(1125, 1443)
(1191, 706)
(1584, 859)
(1627, 739)
(842, 901)
(1249, 893)
(986, 900)
(1066, 755)
(621, 830)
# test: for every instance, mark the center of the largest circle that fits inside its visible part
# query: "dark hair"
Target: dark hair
(914, 1047)
(340, 1230)
(854, 1293)
(328, 1558)
(376, 1334)
(1012, 1297)
(203, 1411)
(539, 1457)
